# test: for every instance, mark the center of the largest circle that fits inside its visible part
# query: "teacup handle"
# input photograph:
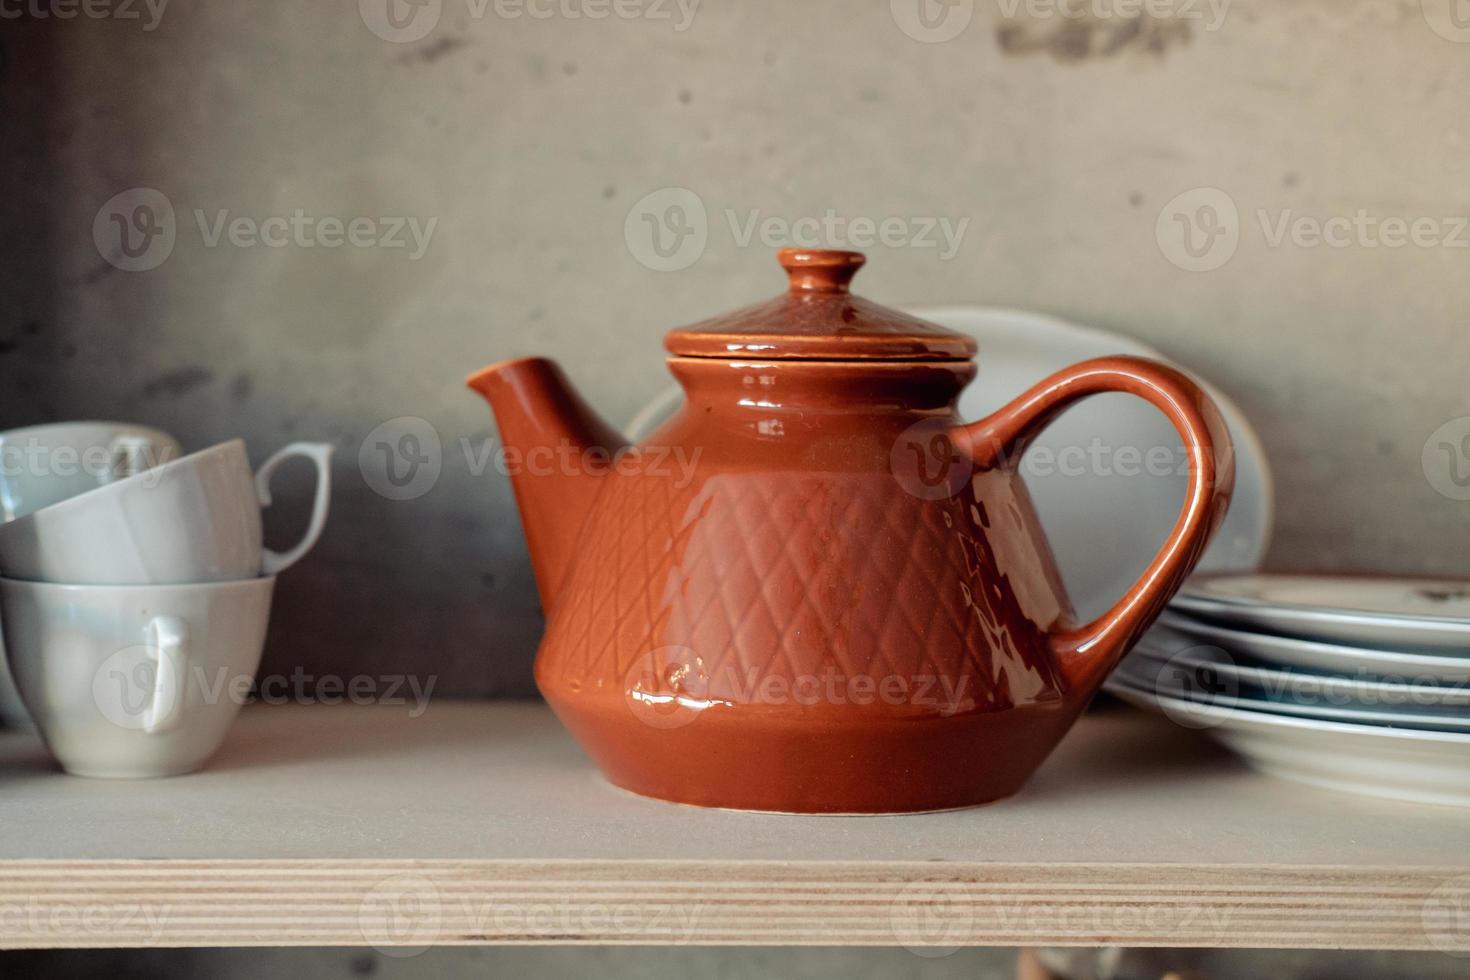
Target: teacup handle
(168, 642)
(1087, 653)
(319, 453)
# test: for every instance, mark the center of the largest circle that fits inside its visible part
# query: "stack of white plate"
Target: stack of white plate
(1354, 683)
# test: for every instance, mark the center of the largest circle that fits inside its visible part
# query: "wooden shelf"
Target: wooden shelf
(483, 823)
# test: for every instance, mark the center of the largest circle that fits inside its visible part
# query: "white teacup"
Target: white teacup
(12, 709)
(43, 465)
(196, 519)
(134, 681)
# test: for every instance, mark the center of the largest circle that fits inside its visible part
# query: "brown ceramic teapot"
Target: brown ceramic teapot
(815, 589)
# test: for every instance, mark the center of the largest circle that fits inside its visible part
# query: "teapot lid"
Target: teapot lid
(818, 319)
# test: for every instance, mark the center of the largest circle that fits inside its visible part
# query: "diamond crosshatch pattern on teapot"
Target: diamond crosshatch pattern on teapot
(799, 577)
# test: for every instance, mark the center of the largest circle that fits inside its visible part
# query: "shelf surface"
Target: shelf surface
(482, 823)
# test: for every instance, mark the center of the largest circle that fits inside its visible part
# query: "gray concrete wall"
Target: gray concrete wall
(529, 142)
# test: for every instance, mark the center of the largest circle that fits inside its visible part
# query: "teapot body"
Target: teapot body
(797, 596)
(815, 589)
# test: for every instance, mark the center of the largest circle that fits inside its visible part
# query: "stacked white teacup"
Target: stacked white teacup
(133, 585)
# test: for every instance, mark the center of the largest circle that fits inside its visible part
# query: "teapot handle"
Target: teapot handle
(1087, 653)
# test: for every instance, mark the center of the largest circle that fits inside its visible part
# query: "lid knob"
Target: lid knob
(820, 270)
(817, 319)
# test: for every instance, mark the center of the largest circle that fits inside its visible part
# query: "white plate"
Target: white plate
(1104, 522)
(1329, 658)
(1213, 667)
(1397, 613)
(1149, 675)
(1398, 763)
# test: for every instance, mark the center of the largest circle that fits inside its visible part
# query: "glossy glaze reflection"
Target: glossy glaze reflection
(815, 589)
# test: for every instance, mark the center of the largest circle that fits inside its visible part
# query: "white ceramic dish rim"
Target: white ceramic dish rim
(1459, 694)
(155, 474)
(1344, 713)
(26, 430)
(67, 588)
(1245, 717)
(1193, 594)
(1226, 636)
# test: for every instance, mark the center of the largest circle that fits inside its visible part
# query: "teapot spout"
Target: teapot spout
(557, 452)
